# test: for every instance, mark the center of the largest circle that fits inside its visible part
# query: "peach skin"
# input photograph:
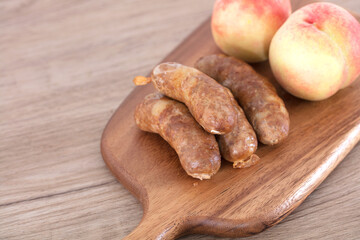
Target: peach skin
(317, 51)
(244, 28)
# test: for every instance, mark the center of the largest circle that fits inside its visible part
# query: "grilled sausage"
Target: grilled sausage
(239, 145)
(208, 101)
(197, 149)
(256, 95)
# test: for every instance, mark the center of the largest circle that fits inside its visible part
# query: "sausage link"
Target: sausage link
(197, 149)
(208, 101)
(256, 95)
(239, 145)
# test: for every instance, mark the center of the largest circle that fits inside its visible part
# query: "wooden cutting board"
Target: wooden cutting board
(235, 202)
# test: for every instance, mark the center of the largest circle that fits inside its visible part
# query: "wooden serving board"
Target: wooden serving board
(235, 202)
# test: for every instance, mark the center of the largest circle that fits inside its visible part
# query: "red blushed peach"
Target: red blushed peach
(317, 51)
(244, 28)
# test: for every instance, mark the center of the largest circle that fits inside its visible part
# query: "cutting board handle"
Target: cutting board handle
(157, 227)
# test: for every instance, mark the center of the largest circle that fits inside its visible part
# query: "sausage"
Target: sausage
(197, 149)
(239, 145)
(207, 100)
(256, 95)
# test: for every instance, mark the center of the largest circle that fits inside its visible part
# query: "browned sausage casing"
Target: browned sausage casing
(239, 145)
(264, 108)
(208, 101)
(197, 149)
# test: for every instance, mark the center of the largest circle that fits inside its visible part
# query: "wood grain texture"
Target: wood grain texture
(64, 67)
(234, 203)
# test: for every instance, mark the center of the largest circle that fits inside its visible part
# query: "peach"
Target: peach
(244, 28)
(317, 51)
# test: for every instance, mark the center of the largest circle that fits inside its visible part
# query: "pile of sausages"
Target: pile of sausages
(195, 103)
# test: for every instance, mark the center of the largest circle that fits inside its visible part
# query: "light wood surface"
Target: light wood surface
(64, 67)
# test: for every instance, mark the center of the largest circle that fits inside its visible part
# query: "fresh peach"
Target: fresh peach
(244, 28)
(317, 51)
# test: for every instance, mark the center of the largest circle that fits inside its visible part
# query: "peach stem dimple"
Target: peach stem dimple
(312, 22)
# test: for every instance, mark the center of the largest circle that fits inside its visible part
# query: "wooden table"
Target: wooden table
(65, 66)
